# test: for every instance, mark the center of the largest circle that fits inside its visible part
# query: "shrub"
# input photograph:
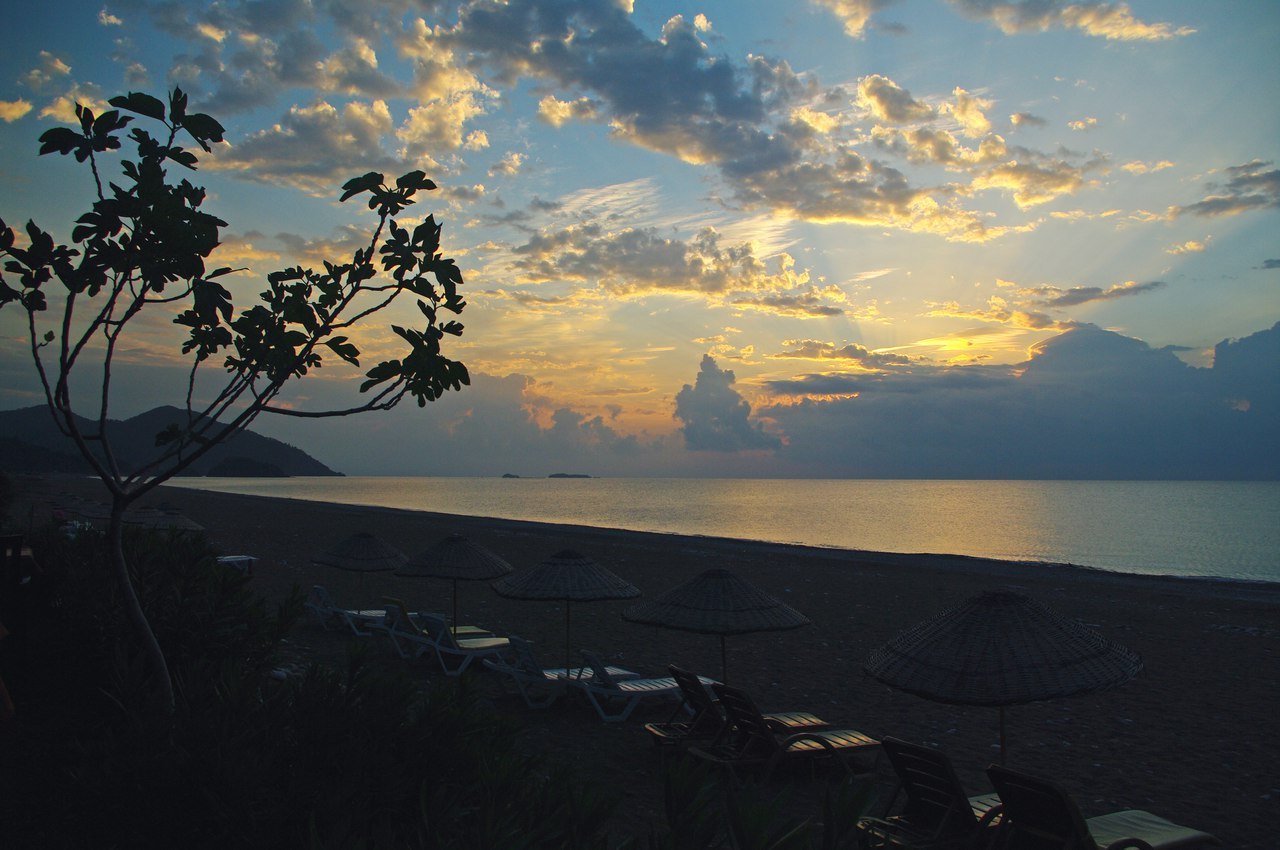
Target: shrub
(326, 759)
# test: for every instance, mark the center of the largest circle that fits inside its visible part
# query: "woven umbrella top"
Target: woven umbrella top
(362, 553)
(717, 602)
(566, 575)
(1001, 648)
(457, 558)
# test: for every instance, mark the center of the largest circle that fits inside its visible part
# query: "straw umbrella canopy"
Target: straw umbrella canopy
(362, 553)
(568, 577)
(717, 602)
(459, 559)
(1001, 649)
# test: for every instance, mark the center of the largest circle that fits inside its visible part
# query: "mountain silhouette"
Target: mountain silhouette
(29, 442)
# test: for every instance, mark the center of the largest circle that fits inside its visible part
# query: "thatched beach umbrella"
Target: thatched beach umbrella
(1001, 649)
(459, 559)
(717, 602)
(568, 577)
(362, 553)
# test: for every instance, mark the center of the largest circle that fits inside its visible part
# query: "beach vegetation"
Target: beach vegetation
(144, 250)
(260, 752)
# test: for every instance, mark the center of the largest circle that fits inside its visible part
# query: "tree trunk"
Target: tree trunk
(133, 607)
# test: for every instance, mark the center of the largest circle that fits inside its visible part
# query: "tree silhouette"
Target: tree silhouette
(142, 248)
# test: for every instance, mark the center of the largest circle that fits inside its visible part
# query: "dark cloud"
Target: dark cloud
(1252, 186)
(639, 261)
(812, 349)
(1088, 403)
(715, 417)
(1271, 264)
(1084, 294)
(1026, 119)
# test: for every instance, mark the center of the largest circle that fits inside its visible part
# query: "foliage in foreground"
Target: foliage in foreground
(139, 252)
(327, 759)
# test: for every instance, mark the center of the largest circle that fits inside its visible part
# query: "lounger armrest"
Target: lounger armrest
(991, 817)
(786, 742)
(1129, 844)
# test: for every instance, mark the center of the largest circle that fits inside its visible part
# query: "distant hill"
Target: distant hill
(29, 442)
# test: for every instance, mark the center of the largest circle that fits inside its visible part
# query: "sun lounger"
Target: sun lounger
(754, 743)
(615, 699)
(929, 808)
(1038, 813)
(708, 721)
(361, 622)
(450, 648)
(530, 677)
(405, 629)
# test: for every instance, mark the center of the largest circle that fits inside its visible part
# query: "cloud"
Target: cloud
(1105, 20)
(1191, 246)
(637, 262)
(999, 311)
(107, 19)
(12, 110)
(887, 101)
(1087, 403)
(313, 148)
(1084, 294)
(498, 424)
(1083, 124)
(856, 14)
(715, 417)
(1139, 167)
(42, 77)
(971, 111)
(852, 354)
(1271, 264)
(1252, 186)
(509, 165)
(1026, 119)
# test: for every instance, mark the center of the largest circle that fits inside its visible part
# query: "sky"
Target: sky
(817, 238)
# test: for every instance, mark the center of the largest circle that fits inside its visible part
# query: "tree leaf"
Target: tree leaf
(61, 140)
(141, 103)
(367, 183)
(203, 129)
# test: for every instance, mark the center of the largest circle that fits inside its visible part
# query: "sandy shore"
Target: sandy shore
(1194, 738)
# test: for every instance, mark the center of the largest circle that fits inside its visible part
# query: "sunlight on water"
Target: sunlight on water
(1229, 529)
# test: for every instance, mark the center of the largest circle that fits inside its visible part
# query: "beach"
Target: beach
(1192, 738)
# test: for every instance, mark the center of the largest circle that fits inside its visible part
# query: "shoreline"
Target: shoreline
(993, 567)
(1193, 738)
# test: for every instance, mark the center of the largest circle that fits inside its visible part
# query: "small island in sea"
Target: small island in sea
(568, 475)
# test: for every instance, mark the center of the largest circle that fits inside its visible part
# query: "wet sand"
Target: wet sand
(1193, 738)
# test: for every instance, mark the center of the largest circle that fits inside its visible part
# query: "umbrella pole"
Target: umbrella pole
(724, 664)
(455, 605)
(1002, 736)
(566, 638)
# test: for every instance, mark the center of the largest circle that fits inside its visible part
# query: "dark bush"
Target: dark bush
(326, 759)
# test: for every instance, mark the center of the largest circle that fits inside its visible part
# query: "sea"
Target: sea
(1204, 529)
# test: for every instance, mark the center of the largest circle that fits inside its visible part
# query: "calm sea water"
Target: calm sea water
(1189, 528)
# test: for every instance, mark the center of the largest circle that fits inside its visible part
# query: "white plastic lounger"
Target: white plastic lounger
(530, 677)
(614, 699)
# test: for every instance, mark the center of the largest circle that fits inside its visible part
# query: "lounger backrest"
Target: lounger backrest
(599, 670)
(398, 618)
(742, 715)
(935, 798)
(708, 719)
(438, 630)
(525, 659)
(1038, 813)
(320, 598)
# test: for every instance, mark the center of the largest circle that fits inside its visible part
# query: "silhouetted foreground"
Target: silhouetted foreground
(1174, 741)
